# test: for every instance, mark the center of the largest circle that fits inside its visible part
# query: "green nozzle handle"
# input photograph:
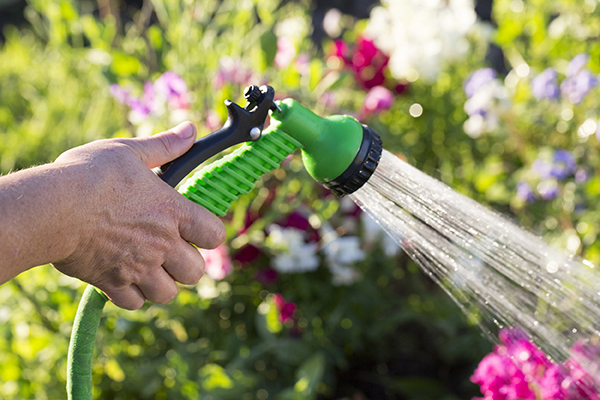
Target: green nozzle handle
(219, 184)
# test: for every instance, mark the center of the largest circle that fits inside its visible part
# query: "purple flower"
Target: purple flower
(577, 87)
(139, 107)
(168, 88)
(267, 276)
(581, 175)
(563, 164)
(544, 85)
(477, 80)
(120, 94)
(542, 168)
(548, 189)
(170, 85)
(576, 64)
(378, 99)
(579, 80)
(524, 192)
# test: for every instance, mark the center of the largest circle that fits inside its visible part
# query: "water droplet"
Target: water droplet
(552, 267)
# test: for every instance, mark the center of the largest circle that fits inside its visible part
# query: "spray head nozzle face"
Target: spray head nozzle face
(361, 168)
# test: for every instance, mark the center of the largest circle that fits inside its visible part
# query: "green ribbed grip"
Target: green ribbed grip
(218, 185)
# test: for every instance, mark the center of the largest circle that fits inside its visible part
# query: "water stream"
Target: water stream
(498, 273)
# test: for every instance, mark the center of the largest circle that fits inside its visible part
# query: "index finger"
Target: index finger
(199, 226)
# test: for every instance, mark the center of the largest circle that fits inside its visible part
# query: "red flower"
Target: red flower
(297, 220)
(267, 276)
(367, 62)
(247, 254)
(286, 309)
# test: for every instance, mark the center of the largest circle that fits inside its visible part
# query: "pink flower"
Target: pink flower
(213, 120)
(286, 51)
(302, 63)
(341, 50)
(551, 385)
(120, 94)
(368, 63)
(518, 370)
(507, 373)
(285, 308)
(172, 87)
(378, 99)
(169, 89)
(217, 263)
(584, 369)
(232, 70)
(491, 374)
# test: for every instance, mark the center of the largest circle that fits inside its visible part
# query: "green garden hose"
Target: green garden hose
(337, 151)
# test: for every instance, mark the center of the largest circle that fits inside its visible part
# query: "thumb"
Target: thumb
(166, 146)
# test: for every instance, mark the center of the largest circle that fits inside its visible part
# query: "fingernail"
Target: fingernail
(185, 130)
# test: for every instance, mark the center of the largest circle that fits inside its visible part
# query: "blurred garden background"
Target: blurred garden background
(307, 299)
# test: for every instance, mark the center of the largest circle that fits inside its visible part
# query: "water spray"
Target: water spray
(337, 151)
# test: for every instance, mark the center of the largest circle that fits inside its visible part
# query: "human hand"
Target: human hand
(133, 230)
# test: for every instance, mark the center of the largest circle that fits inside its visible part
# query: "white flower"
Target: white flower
(292, 253)
(421, 35)
(484, 108)
(343, 275)
(295, 28)
(344, 250)
(332, 22)
(341, 253)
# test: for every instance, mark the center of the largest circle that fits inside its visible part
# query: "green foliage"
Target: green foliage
(392, 333)
(51, 99)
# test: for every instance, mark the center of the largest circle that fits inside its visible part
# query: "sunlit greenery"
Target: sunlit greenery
(393, 332)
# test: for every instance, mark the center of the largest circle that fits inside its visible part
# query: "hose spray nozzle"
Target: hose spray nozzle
(337, 151)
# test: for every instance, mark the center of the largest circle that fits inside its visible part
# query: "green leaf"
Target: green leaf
(124, 64)
(268, 45)
(309, 375)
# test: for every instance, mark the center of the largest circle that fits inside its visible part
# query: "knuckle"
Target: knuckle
(165, 143)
